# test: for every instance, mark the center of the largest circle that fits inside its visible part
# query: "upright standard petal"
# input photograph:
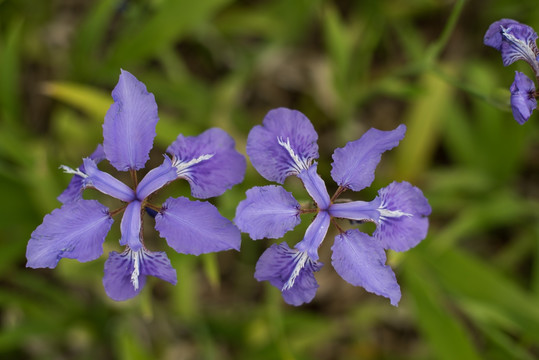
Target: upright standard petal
(403, 219)
(354, 165)
(268, 212)
(195, 227)
(523, 100)
(129, 127)
(315, 186)
(76, 231)
(360, 260)
(315, 234)
(284, 145)
(131, 226)
(290, 271)
(125, 273)
(105, 182)
(209, 162)
(73, 192)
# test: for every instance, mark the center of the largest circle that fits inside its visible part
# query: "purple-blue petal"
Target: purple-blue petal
(209, 162)
(290, 271)
(403, 219)
(77, 230)
(356, 210)
(105, 182)
(523, 100)
(129, 127)
(125, 273)
(493, 37)
(131, 226)
(315, 186)
(156, 179)
(267, 212)
(354, 165)
(315, 234)
(195, 227)
(360, 260)
(283, 145)
(73, 192)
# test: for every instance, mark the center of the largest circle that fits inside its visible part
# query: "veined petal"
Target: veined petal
(76, 231)
(356, 210)
(360, 260)
(284, 145)
(73, 192)
(354, 165)
(156, 179)
(315, 234)
(125, 273)
(105, 182)
(268, 212)
(131, 226)
(523, 100)
(315, 186)
(519, 44)
(129, 127)
(493, 36)
(403, 219)
(208, 161)
(290, 271)
(195, 227)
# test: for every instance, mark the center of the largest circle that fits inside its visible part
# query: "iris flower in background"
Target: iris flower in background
(78, 229)
(517, 41)
(285, 145)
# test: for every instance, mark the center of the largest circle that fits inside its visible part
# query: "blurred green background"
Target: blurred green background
(470, 290)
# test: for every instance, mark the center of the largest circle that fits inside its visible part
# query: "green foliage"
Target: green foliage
(470, 290)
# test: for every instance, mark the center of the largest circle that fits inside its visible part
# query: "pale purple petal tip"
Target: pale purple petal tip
(195, 227)
(267, 212)
(403, 219)
(76, 231)
(209, 162)
(73, 192)
(315, 234)
(156, 178)
(289, 270)
(129, 127)
(523, 100)
(105, 182)
(131, 226)
(360, 260)
(354, 165)
(125, 273)
(284, 145)
(315, 186)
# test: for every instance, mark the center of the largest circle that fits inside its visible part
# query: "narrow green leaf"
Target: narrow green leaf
(171, 20)
(447, 337)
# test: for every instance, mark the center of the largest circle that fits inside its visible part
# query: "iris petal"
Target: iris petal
(290, 271)
(76, 231)
(284, 145)
(209, 162)
(267, 212)
(523, 100)
(195, 227)
(125, 273)
(129, 127)
(360, 260)
(354, 165)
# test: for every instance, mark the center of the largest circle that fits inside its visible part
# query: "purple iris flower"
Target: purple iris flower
(284, 145)
(517, 41)
(78, 229)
